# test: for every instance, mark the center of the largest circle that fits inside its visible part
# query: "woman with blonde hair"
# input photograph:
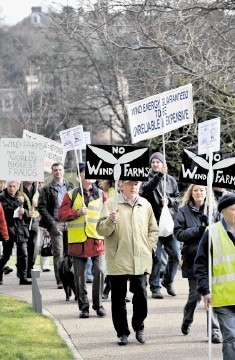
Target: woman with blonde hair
(190, 224)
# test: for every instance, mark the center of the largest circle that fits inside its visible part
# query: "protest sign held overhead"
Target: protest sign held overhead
(117, 162)
(87, 139)
(72, 138)
(209, 136)
(53, 151)
(159, 114)
(194, 169)
(22, 159)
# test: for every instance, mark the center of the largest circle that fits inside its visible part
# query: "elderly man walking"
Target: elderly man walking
(130, 232)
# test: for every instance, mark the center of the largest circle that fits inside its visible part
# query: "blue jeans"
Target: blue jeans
(171, 247)
(226, 317)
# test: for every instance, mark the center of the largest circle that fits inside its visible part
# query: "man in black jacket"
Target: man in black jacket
(15, 215)
(153, 191)
(50, 199)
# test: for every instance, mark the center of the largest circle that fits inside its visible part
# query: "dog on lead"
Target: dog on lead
(67, 277)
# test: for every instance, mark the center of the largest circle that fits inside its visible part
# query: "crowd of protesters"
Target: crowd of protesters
(119, 234)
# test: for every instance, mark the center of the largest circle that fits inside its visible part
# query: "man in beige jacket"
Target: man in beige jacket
(130, 233)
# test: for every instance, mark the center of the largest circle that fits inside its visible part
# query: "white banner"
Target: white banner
(22, 159)
(53, 151)
(72, 138)
(209, 136)
(159, 114)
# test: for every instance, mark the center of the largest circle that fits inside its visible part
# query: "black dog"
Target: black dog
(67, 277)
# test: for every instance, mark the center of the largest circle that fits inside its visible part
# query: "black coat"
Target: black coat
(17, 228)
(48, 201)
(153, 191)
(190, 224)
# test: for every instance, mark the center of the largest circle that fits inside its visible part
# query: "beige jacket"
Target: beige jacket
(130, 242)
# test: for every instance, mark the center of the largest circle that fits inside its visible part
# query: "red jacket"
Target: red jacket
(89, 248)
(3, 224)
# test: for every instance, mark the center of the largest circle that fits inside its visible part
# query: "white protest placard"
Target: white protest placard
(159, 114)
(87, 139)
(22, 159)
(72, 138)
(209, 136)
(53, 151)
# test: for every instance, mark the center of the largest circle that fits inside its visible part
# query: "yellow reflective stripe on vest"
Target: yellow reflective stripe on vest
(83, 227)
(30, 207)
(223, 281)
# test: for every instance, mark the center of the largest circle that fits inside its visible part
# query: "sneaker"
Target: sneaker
(84, 314)
(216, 339)
(157, 295)
(123, 340)
(140, 336)
(7, 270)
(185, 328)
(100, 311)
(169, 288)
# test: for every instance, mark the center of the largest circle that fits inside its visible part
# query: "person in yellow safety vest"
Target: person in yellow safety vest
(31, 195)
(83, 240)
(222, 294)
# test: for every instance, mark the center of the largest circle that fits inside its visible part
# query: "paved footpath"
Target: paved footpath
(95, 338)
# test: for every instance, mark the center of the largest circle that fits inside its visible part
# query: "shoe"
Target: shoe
(105, 295)
(59, 285)
(216, 339)
(25, 282)
(140, 336)
(84, 314)
(185, 328)
(157, 295)
(7, 270)
(100, 311)
(127, 299)
(46, 270)
(170, 289)
(123, 340)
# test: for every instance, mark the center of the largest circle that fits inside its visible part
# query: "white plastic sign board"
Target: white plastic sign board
(22, 159)
(209, 136)
(87, 138)
(53, 151)
(159, 114)
(72, 138)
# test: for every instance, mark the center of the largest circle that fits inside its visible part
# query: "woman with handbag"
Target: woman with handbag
(190, 223)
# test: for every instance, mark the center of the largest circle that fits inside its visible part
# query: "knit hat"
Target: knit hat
(225, 201)
(157, 155)
(82, 167)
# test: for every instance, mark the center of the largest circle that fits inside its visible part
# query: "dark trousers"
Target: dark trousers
(138, 285)
(80, 276)
(193, 298)
(32, 249)
(21, 257)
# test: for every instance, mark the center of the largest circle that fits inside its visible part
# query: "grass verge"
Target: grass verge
(26, 335)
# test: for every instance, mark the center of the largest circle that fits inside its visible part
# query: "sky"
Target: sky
(13, 11)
